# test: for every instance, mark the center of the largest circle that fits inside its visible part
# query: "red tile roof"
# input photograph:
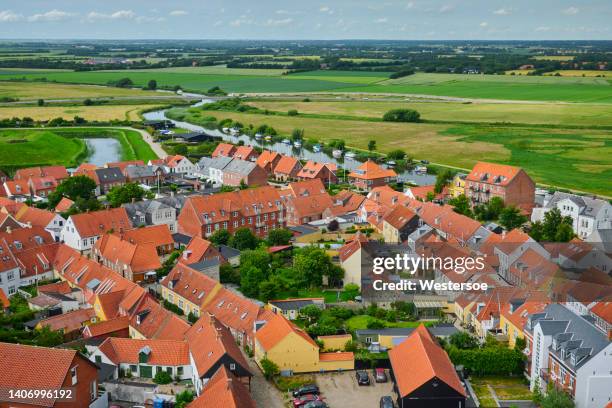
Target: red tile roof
(4, 300)
(492, 173)
(224, 149)
(139, 257)
(286, 165)
(162, 352)
(223, 390)
(11, 206)
(157, 235)
(267, 159)
(603, 309)
(312, 169)
(17, 187)
(35, 216)
(198, 250)
(106, 327)
(244, 152)
(278, 328)
(399, 217)
(70, 321)
(123, 164)
(58, 172)
(157, 322)
(100, 222)
(419, 359)
(190, 284)
(371, 171)
(64, 205)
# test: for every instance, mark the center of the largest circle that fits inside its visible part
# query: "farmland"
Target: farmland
(65, 146)
(568, 158)
(99, 113)
(515, 87)
(44, 90)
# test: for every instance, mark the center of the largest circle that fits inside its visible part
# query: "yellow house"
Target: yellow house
(293, 351)
(335, 342)
(457, 185)
(512, 320)
(188, 289)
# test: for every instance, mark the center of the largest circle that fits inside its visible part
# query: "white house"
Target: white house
(588, 214)
(81, 231)
(212, 169)
(176, 164)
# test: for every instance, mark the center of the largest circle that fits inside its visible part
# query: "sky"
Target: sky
(307, 19)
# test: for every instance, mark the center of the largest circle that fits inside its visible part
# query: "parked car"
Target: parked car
(306, 389)
(315, 404)
(362, 378)
(379, 375)
(386, 402)
(304, 399)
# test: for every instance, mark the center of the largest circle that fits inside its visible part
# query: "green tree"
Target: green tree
(162, 377)
(565, 233)
(372, 145)
(243, 239)
(269, 368)
(297, 134)
(258, 258)
(180, 149)
(311, 312)
(442, 179)
(74, 188)
(269, 289)
(41, 102)
(220, 237)
(125, 194)
(396, 154)
(292, 112)
(511, 218)
(122, 83)
(279, 236)
(402, 115)
(46, 337)
(312, 263)
(463, 340)
(250, 279)
(351, 290)
(87, 102)
(554, 228)
(152, 85)
(461, 205)
(556, 399)
(183, 398)
(227, 274)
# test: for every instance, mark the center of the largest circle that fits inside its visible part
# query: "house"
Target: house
(380, 340)
(196, 137)
(294, 351)
(200, 254)
(35, 217)
(17, 190)
(532, 270)
(158, 236)
(588, 214)
(324, 171)
(571, 354)
(457, 185)
(369, 175)
(246, 153)
(64, 205)
(268, 160)
(177, 165)
(116, 327)
(511, 184)
(144, 358)
(70, 324)
(54, 301)
(137, 262)
(81, 231)
(306, 201)
(59, 173)
(188, 289)
(109, 178)
(212, 169)
(151, 212)
(239, 172)
(259, 209)
(398, 224)
(287, 168)
(350, 255)
(223, 390)
(514, 317)
(212, 347)
(122, 165)
(150, 320)
(142, 175)
(42, 368)
(426, 193)
(290, 308)
(230, 255)
(225, 150)
(424, 375)
(347, 204)
(41, 187)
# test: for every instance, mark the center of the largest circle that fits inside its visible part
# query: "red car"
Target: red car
(303, 399)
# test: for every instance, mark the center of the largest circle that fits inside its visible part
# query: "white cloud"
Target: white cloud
(7, 16)
(484, 24)
(178, 13)
(277, 23)
(117, 15)
(53, 15)
(570, 11)
(326, 9)
(446, 8)
(503, 11)
(381, 20)
(542, 29)
(146, 19)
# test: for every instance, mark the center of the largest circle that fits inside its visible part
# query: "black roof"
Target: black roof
(110, 175)
(181, 238)
(228, 252)
(205, 264)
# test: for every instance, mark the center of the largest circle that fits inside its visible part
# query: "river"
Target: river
(289, 150)
(103, 150)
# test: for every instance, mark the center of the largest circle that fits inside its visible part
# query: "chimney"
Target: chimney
(29, 224)
(9, 230)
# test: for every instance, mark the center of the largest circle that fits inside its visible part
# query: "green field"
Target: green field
(44, 90)
(570, 158)
(200, 79)
(37, 147)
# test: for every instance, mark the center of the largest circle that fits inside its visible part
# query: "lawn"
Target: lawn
(330, 296)
(100, 113)
(506, 388)
(549, 113)
(36, 147)
(360, 322)
(45, 90)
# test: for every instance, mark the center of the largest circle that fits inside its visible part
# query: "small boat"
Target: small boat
(390, 163)
(165, 132)
(421, 169)
(350, 155)
(337, 154)
(225, 130)
(258, 136)
(268, 138)
(297, 144)
(316, 148)
(286, 141)
(234, 131)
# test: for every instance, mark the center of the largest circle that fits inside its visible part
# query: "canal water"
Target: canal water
(103, 150)
(347, 163)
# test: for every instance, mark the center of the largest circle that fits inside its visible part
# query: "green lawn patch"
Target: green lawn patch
(360, 322)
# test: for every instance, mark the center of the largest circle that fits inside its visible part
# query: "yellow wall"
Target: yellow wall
(291, 353)
(510, 330)
(99, 311)
(337, 365)
(390, 233)
(352, 269)
(196, 309)
(335, 342)
(135, 334)
(387, 341)
(457, 187)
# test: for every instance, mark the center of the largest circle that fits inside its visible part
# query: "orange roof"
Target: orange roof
(4, 300)
(287, 164)
(43, 183)
(123, 164)
(223, 390)
(35, 216)
(29, 238)
(371, 171)
(11, 207)
(173, 161)
(532, 269)
(154, 322)
(337, 356)
(419, 359)
(34, 368)
(244, 152)
(88, 171)
(603, 309)
(346, 201)
(399, 217)
(157, 235)
(198, 250)
(189, 284)
(64, 205)
(161, 352)
(312, 169)
(140, 257)
(17, 187)
(234, 311)
(348, 249)
(109, 302)
(70, 321)
(61, 287)
(58, 172)
(210, 341)
(276, 329)
(99, 222)
(519, 317)
(420, 192)
(267, 158)
(106, 327)
(224, 149)
(493, 173)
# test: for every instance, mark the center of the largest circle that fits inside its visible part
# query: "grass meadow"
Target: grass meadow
(45, 90)
(100, 113)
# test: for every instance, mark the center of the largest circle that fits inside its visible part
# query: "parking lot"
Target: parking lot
(341, 390)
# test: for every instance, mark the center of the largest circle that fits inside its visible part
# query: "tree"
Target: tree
(312, 263)
(257, 258)
(442, 179)
(250, 279)
(511, 218)
(125, 194)
(122, 83)
(243, 185)
(372, 145)
(152, 85)
(565, 233)
(269, 368)
(556, 399)
(333, 225)
(243, 239)
(463, 340)
(183, 398)
(554, 228)
(402, 115)
(87, 102)
(74, 188)
(180, 149)
(46, 337)
(491, 210)
(220, 237)
(227, 274)
(41, 102)
(292, 112)
(279, 236)
(352, 290)
(269, 289)
(396, 154)
(311, 312)
(461, 205)
(162, 377)
(297, 134)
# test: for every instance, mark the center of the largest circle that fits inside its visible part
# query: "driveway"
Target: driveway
(341, 390)
(263, 392)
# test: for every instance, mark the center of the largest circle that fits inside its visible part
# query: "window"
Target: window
(11, 290)
(232, 366)
(10, 276)
(93, 391)
(98, 359)
(73, 374)
(133, 368)
(179, 371)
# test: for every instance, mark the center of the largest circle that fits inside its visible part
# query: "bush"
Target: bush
(292, 112)
(402, 115)
(162, 377)
(270, 369)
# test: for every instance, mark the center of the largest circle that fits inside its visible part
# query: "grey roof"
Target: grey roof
(175, 201)
(110, 175)
(303, 229)
(139, 171)
(181, 238)
(575, 334)
(139, 208)
(197, 136)
(294, 304)
(218, 163)
(241, 167)
(228, 252)
(205, 264)
(602, 239)
(591, 206)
